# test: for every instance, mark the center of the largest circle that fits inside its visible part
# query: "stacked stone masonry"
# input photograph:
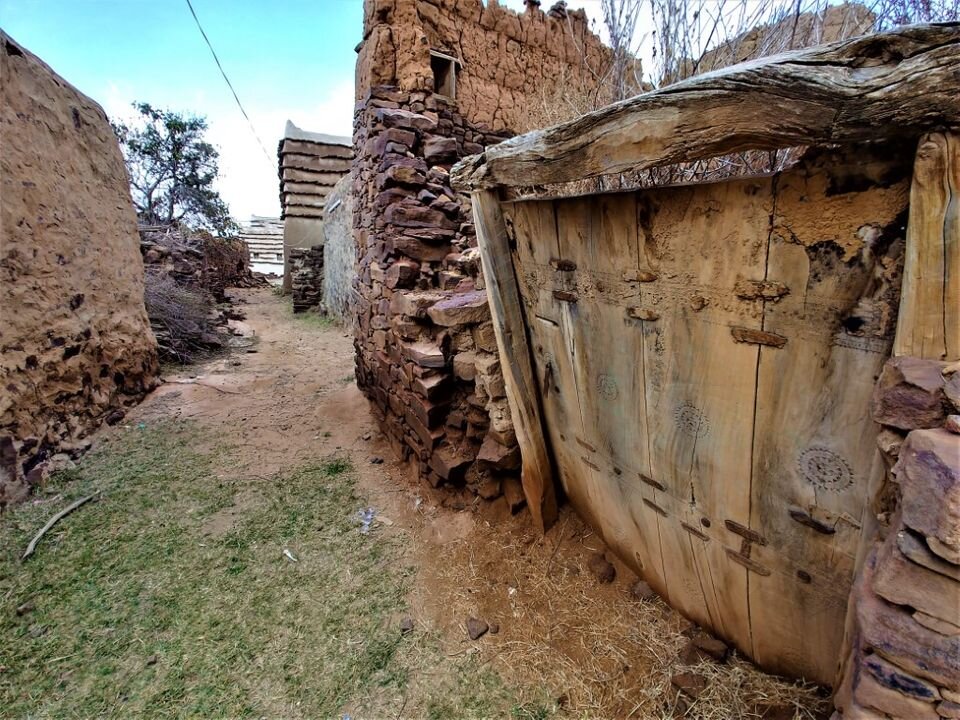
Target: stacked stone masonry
(904, 659)
(426, 352)
(75, 341)
(438, 80)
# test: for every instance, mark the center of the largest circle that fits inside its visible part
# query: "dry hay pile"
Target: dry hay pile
(186, 275)
(596, 649)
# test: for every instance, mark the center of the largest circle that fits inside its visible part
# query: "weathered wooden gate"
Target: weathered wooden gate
(695, 363)
(705, 357)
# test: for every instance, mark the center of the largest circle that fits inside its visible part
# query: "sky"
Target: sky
(287, 59)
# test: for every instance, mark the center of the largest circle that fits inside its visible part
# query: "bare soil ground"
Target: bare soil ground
(567, 645)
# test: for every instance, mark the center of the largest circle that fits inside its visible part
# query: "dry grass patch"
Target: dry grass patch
(594, 650)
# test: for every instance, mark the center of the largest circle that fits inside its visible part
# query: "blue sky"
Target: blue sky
(286, 58)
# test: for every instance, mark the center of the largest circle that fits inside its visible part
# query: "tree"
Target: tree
(172, 169)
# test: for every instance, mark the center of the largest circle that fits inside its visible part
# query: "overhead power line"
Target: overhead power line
(213, 52)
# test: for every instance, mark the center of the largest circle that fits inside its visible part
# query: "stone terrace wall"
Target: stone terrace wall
(904, 657)
(75, 342)
(426, 352)
(511, 62)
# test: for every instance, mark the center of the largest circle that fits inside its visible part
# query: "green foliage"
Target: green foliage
(172, 169)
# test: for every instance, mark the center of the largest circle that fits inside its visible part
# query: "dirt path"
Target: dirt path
(589, 648)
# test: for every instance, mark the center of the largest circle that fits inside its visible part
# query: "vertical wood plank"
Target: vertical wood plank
(511, 333)
(951, 236)
(929, 319)
(814, 450)
(598, 238)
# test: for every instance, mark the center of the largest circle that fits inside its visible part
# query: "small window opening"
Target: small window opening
(444, 74)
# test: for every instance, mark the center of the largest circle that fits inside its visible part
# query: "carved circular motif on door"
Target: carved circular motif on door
(825, 469)
(691, 421)
(607, 387)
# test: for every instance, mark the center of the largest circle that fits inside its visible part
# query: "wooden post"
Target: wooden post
(515, 359)
(928, 325)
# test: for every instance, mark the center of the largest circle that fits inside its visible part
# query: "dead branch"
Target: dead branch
(54, 520)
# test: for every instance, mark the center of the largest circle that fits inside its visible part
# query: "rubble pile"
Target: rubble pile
(904, 659)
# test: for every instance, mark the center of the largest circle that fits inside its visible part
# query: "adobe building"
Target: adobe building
(310, 164)
(264, 239)
(438, 80)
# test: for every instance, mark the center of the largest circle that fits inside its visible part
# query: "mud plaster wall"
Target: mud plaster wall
(75, 341)
(339, 253)
(510, 61)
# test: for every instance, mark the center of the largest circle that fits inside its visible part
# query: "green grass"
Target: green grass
(172, 597)
(313, 319)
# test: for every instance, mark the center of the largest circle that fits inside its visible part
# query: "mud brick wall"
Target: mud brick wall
(75, 342)
(306, 277)
(508, 62)
(310, 165)
(904, 658)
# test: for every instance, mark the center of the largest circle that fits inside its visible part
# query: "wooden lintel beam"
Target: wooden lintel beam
(887, 85)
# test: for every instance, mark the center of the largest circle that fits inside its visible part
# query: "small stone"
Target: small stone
(494, 628)
(476, 628)
(602, 568)
(947, 709)
(642, 591)
(952, 424)
(689, 683)
(406, 625)
(703, 646)
(28, 606)
(115, 416)
(152, 660)
(376, 461)
(36, 630)
(513, 494)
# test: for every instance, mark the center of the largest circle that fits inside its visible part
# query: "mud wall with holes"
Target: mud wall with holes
(75, 342)
(508, 64)
(706, 356)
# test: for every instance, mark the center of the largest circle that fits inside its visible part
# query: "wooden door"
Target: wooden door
(706, 406)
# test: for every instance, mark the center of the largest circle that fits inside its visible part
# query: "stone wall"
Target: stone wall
(904, 626)
(75, 342)
(306, 277)
(339, 254)
(310, 165)
(426, 352)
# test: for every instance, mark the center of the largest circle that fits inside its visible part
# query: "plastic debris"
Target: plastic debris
(366, 516)
(290, 556)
